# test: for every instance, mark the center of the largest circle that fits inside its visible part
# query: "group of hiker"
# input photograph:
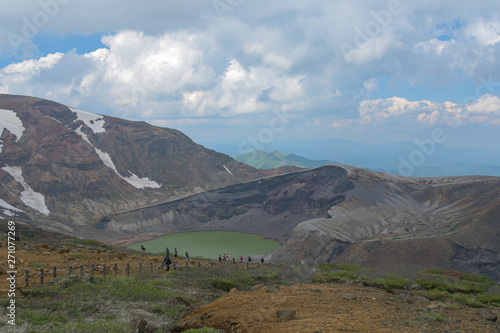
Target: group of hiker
(167, 261)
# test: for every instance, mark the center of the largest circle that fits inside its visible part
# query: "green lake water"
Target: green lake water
(210, 244)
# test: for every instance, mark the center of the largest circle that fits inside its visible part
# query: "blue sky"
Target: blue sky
(369, 71)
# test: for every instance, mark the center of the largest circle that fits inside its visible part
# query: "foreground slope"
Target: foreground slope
(67, 169)
(345, 214)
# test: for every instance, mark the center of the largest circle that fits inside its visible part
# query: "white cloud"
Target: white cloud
(184, 61)
(373, 49)
(487, 104)
(401, 110)
(392, 107)
(435, 46)
(371, 85)
(486, 33)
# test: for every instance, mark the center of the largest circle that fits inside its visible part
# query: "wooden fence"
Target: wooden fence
(103, 269)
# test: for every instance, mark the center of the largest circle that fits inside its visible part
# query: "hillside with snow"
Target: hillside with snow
(68, 169)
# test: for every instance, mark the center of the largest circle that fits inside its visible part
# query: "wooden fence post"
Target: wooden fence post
(41, 276)
(55, 272)
(92, 270)
(128, 269)
(70, 270)
(81, 269)
(27, 278)
(116, 269)
(151, 264)
(104, 270)
(140, 267)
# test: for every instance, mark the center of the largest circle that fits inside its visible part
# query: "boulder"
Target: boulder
(487, 314)
(285, 315)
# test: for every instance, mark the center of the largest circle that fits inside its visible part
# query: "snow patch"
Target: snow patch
(106, 159)
(30, 198)
(54, 119)
(9, 120)
(94, 121)
(227, 169)
(9, 210)
(141, 182)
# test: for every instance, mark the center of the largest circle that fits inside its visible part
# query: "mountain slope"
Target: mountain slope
(68, 167)
(262, 160)
(344, 214)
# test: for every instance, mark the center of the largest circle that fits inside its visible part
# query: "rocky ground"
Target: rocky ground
(335, 308)
(305, 307)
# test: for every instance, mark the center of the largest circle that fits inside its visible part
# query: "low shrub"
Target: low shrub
(336, 276)
(488, 299)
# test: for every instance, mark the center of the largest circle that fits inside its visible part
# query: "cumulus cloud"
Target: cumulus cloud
(487, 104)
(181, 63)
(400, 110)
(485, 32)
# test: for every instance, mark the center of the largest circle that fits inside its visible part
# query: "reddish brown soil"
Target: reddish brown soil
(334, 308)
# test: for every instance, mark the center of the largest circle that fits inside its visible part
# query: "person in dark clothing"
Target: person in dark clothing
(249, 259)
(167, 262)
(143, 248)
(175, 253)
(262, 260)
(167, 251)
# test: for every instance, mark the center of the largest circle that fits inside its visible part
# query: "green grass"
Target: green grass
(438, 285)
(431, 316)
(202, 330)
(108, 304)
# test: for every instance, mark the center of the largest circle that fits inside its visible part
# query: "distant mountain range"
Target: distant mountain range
(262, 160)
(424, 159)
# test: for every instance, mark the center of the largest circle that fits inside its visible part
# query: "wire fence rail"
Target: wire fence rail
(114, 270)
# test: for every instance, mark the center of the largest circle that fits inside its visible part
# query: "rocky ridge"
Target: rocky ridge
(340, 214)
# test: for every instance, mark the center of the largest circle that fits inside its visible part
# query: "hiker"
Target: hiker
(187, 255)
(234, 261)
(167, 262)
(220, 258)
(241, 260)
(143, 248)
(167, 251)
(262, 260)
(249, 259)
(175, 253)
